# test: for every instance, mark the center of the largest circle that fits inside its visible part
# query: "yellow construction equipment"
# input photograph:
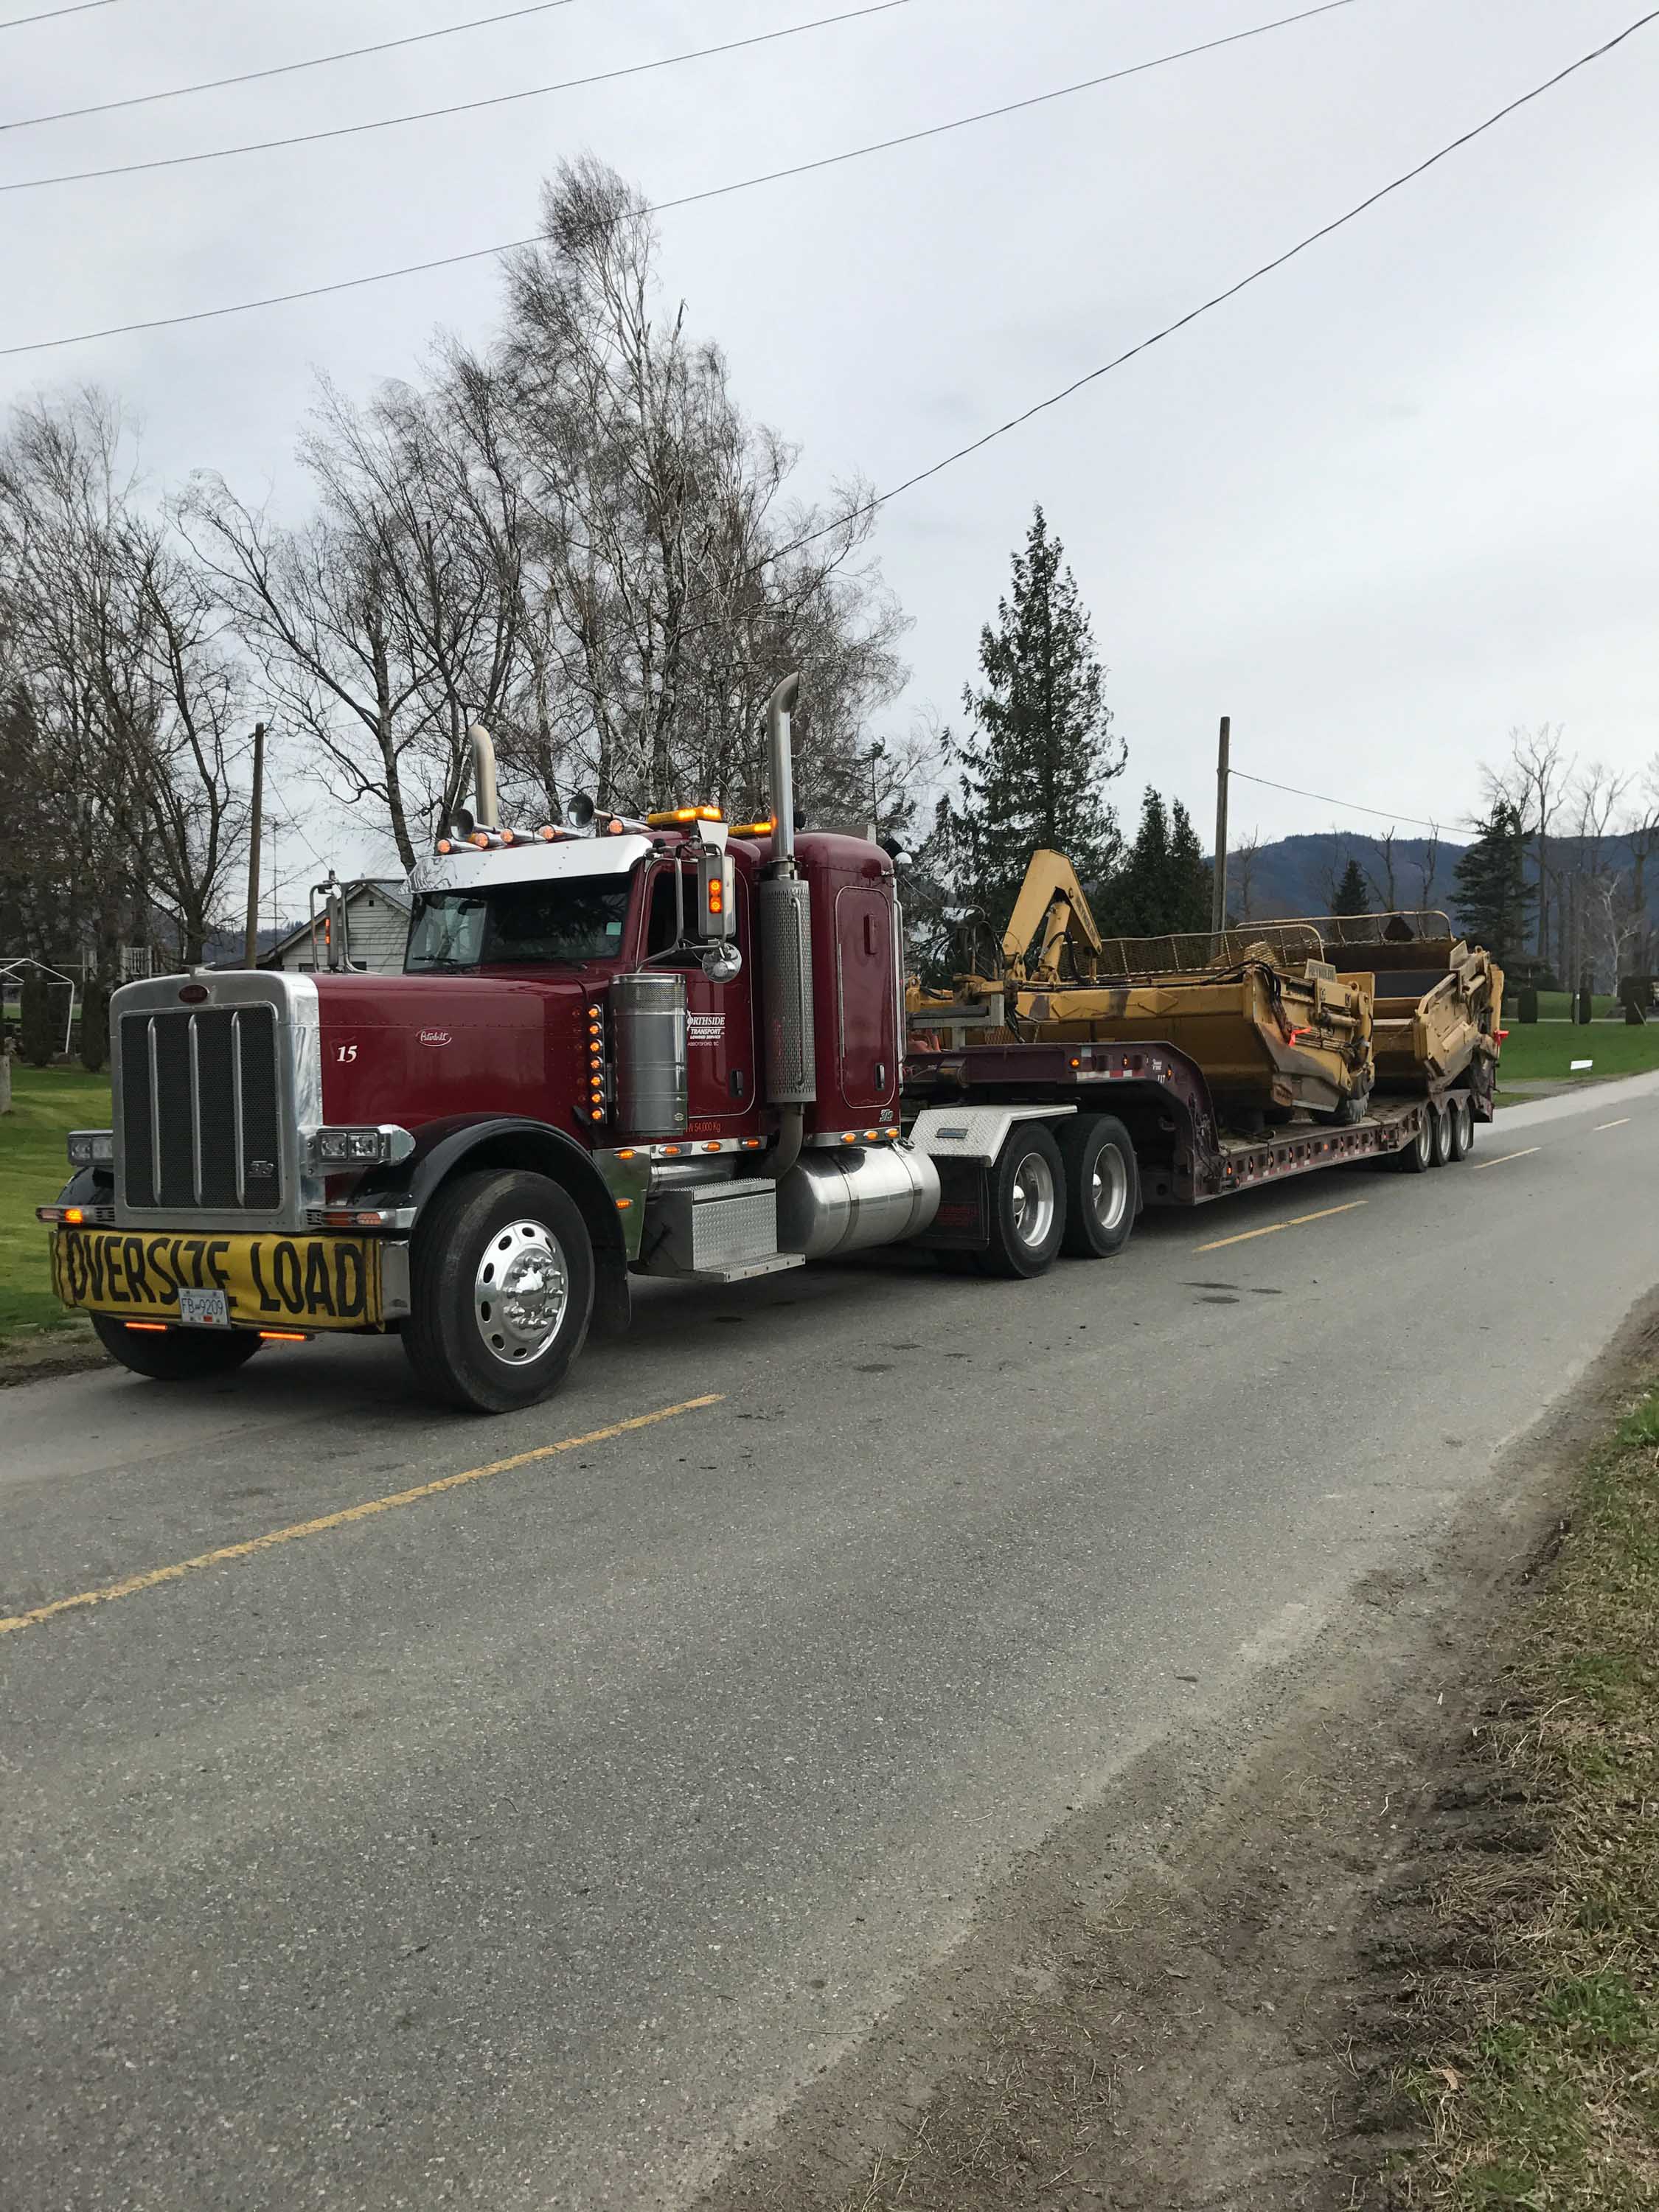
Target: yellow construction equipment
(1261, 1011)
(1438, 1001)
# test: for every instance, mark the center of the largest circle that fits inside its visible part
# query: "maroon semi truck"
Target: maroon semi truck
(666, 1047)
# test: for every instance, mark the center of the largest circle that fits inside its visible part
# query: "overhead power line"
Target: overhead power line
(685, 199)
(1348, 805)
(47, 15)
(459, 106)
(278, 68)
(1216, 299)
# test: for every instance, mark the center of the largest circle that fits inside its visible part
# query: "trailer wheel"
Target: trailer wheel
(1440, 1125)
(1419, 1156)
(1459, 1128)
(176, 1355)
(502, 1289)
(1027, 1204)
(1101, 1185)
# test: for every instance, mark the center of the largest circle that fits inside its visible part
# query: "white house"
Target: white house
(378, 908)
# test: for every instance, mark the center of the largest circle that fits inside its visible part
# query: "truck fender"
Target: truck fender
(974, 1132)
(516, 1142)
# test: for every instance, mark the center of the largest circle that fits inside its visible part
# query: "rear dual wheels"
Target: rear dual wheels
(1102, 1186)
(1074, 1189)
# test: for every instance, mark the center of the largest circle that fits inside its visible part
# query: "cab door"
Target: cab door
(721, 1100)
(866, 985)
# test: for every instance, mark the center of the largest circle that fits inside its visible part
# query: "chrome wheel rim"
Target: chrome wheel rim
(1109, 1188)
(520, 1292)
(1425, 1138)
(1466, 1124)
(1034, 1200)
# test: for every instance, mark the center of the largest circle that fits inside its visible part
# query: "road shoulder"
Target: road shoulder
(1214, 1986)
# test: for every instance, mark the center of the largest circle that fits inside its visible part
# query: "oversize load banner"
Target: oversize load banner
(280, 1282)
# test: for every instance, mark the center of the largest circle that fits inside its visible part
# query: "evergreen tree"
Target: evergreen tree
(1035, 767)
(1162, 888)
(1191, 889)
(1352, 896)
(94, 1024)
(1492, 893)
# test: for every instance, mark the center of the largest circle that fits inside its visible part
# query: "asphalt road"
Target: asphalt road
(531, 1842)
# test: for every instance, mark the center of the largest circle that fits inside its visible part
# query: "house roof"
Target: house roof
(393, 889)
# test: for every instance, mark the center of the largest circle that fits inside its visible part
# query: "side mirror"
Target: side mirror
(722, 963)
(579, 810)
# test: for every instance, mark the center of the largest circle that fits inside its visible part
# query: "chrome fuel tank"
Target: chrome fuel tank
(847, 1200)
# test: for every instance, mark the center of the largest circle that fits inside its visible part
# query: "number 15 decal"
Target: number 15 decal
(345, 1052)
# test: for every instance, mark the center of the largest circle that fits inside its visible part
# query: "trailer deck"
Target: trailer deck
(1161, 1096)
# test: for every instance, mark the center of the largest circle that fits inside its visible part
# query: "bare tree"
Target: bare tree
(1382, 887)
(668, 579)
(1241, 866)
(124, 701)
(1535, 778)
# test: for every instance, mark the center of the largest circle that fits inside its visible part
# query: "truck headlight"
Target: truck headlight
(91, 1148)
(352, 1148)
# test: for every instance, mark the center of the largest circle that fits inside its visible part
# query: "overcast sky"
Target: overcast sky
(1395, 498)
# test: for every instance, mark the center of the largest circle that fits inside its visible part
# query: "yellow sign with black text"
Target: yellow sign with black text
(268, 1282)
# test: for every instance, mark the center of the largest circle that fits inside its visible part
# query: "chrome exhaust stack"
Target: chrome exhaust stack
(786, 944)
(485, 808)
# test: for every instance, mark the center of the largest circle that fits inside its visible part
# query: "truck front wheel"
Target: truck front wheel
(502, 1289)
(1102, 1186)
(1027, 1204)
(175, 1355)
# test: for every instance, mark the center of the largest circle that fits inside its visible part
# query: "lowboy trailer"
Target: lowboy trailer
(672, 1047)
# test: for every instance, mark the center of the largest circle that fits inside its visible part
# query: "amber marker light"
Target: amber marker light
(444, 844)
(149, 1328)
(280, 1336)
(73, 1216)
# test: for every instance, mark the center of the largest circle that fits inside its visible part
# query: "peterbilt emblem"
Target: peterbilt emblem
(434, 1037)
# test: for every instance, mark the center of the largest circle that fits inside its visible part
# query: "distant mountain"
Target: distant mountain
(1299, 875)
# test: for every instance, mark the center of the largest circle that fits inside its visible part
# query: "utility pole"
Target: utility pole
(1218, 899)
(250, 946)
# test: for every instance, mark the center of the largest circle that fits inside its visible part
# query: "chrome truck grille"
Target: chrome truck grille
(214, 1101)
(198, 1109)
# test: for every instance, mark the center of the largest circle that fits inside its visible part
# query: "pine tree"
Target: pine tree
(1352, 896)
(1035, 767)
(1162, 888)
(1492, 893)
(1191, 877)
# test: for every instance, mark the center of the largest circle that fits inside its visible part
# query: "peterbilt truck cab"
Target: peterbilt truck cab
(668, 1046)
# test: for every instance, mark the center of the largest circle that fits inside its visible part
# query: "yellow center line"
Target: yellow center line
(154, 1577)
(1620, 1123)
(1503, 1158)
(1273, 1228)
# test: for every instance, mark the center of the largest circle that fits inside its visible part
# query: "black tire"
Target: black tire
(1440, 1123)
(489, 1355)
(1027, 1204)
(1459, 1127)
(1419, 1156)
(175, 1355)
(1102, 1186)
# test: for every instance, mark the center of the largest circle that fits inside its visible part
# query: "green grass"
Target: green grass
(1544, 2088)
(1535, 1048)
(45, 1102)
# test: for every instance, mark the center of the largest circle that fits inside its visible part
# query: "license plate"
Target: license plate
(221, 1282)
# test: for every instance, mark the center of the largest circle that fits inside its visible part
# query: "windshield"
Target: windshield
(518, 924)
